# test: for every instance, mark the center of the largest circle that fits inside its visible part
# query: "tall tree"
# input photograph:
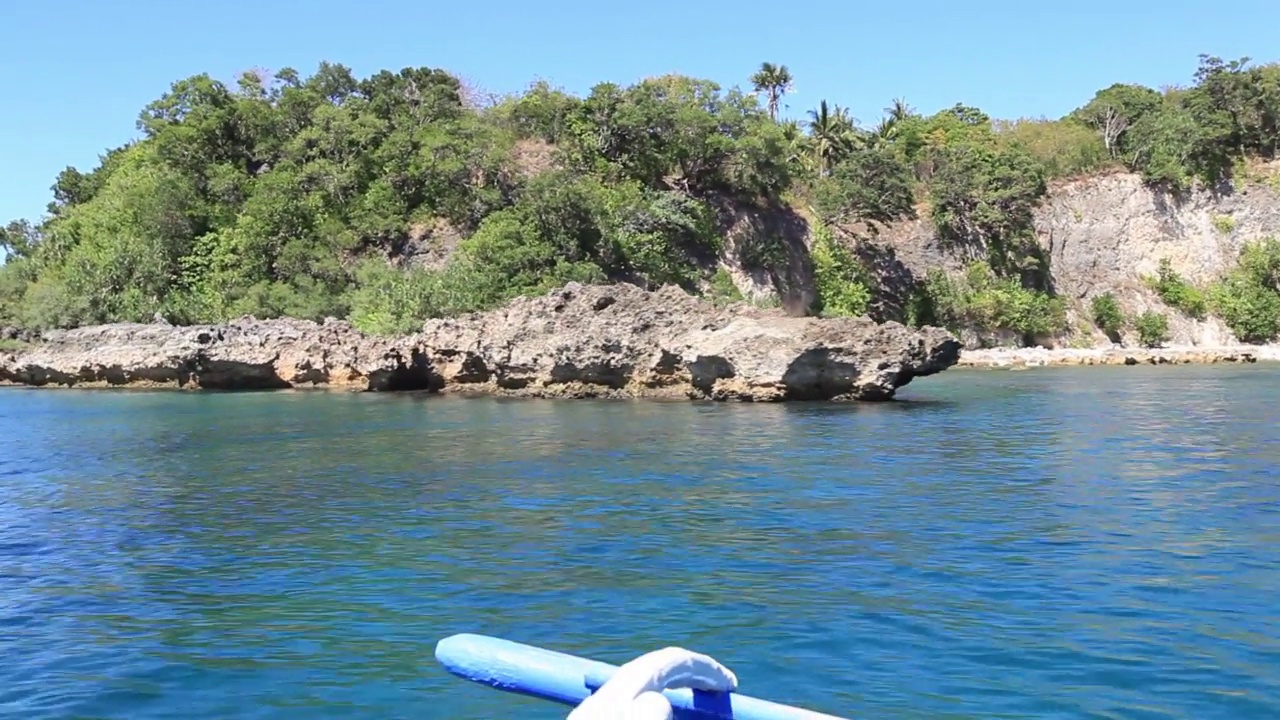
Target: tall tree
(18, 238)
(884, 132)
(773, 81)
(1114, 111)
(899, 110)
(833, 132)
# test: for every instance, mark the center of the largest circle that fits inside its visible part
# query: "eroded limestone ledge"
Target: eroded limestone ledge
(577, 341)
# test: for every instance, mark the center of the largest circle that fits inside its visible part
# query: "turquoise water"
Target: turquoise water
(1093, 543)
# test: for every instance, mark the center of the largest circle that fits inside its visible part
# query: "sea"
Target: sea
(1062, 543)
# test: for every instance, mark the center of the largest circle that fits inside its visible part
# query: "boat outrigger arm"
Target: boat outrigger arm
(667, 684)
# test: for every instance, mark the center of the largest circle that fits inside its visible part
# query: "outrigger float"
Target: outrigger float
(672, 683)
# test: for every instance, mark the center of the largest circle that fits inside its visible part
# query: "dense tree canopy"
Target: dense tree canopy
(285, 195)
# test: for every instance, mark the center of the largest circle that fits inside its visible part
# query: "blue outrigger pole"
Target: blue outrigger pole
(569, 679)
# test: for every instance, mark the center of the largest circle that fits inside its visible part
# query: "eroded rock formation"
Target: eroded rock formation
(578, 341)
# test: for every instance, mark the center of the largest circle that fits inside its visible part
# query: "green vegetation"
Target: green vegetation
(840, 279)
(1177, 293)
(287, 196)
(721, 289)
(983, 300)
(1200, 132)
(1248, 299)
(1224, 224)
(1153, 329)
(1107, 315)
(283, 195)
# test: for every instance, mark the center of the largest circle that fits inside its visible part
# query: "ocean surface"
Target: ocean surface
(1058, 543)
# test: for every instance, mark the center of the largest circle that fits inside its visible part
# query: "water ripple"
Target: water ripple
(1100, 543)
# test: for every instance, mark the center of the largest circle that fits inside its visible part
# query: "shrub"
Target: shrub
(1261, 261)
(1248, 299)
(390, 301)
(1250, 310)
(1064, 147)
(1153, 329)
(1177, 293)
(983, 301)
(721, 289)
(839, 278)
(1106, 314)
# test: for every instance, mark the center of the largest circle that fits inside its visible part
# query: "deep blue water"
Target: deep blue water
(1089, 543)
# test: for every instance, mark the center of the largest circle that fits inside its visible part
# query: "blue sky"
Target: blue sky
(75, 73)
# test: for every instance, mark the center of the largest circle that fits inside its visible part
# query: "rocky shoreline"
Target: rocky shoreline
(577, 341)
(1021, 358)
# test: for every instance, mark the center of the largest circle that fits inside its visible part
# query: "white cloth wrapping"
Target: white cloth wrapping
(635, 691)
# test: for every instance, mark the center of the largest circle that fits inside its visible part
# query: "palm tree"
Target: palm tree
(900, 110)
(797, 146)
(774, 81)
(884, 132)
(834, 134)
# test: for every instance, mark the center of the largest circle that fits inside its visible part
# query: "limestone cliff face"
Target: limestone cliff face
(1105, 234)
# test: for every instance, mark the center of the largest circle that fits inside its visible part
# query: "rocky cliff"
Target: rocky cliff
(1105, 234)
(578, 341)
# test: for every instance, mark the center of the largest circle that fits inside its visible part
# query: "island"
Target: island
(667, 237)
